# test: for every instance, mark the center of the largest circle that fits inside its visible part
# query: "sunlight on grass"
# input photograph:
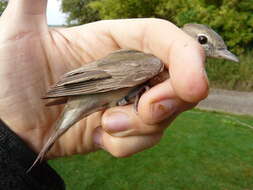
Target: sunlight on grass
(201, 150)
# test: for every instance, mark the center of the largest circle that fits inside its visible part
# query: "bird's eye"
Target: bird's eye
(202, 39)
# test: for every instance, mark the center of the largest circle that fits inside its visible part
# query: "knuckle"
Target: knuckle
(119, 152)
(117, 148)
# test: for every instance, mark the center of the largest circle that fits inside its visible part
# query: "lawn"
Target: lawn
(200, 151)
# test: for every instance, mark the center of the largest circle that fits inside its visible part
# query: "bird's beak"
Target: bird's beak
(225, 54)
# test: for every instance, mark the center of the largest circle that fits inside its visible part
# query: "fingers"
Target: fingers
(182, 55)
(123, 121)
(118, 130)
(123, 132)
(123, 147)
(157, 108)
(160, 103)
(188, 75)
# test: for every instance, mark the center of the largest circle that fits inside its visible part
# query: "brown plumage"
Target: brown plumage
(121, 69)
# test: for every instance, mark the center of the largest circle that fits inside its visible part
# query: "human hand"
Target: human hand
(33, 57)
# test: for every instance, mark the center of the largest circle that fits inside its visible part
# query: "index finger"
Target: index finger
(181, 54)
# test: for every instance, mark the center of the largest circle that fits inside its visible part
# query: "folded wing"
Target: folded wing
(121, 69)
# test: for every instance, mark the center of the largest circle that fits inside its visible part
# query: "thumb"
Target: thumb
(24, 15)
(28, 7)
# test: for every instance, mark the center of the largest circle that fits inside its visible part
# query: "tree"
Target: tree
(79, 12)
(233, 19)
(112, 9)
(3, 4)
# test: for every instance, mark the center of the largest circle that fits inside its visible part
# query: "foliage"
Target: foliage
(113, 9)
(232, 76)
(233, 19)
(79, 12)
(201, 150)
(3, 4)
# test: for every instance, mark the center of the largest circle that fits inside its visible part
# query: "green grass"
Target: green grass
(232, 76)
(200, 151)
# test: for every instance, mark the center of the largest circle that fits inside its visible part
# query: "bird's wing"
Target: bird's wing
(121, 69)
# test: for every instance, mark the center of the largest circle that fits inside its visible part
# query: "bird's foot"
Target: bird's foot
(134, 97)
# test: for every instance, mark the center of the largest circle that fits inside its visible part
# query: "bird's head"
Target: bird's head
(212, 42)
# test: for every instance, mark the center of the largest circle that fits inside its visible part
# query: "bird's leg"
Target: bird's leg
(144, 89)
(135, 95)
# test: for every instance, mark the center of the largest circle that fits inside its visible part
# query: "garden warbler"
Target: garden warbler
(115, 80)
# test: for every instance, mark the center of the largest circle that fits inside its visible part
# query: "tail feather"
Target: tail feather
(46, 148)
(71, 114)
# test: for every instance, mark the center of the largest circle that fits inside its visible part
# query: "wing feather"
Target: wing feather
(84, 77)
(121, 69)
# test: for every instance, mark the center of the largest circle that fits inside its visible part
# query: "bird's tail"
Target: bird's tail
(74, 111)
(46, 148)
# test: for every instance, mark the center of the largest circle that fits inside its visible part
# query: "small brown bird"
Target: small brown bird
(117, 79)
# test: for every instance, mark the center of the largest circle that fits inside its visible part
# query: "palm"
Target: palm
(31, 62)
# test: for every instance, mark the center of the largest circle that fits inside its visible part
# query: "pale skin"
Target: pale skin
(33, 57)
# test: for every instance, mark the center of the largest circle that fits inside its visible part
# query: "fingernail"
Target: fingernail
(97, 137)
(163, 109)
(116, 122)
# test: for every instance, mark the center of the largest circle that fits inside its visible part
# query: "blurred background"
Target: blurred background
(201, 150)
(233, 19)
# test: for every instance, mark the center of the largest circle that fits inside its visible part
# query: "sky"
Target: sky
(54, 14)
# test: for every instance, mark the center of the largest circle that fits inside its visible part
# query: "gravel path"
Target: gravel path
(229, 101)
